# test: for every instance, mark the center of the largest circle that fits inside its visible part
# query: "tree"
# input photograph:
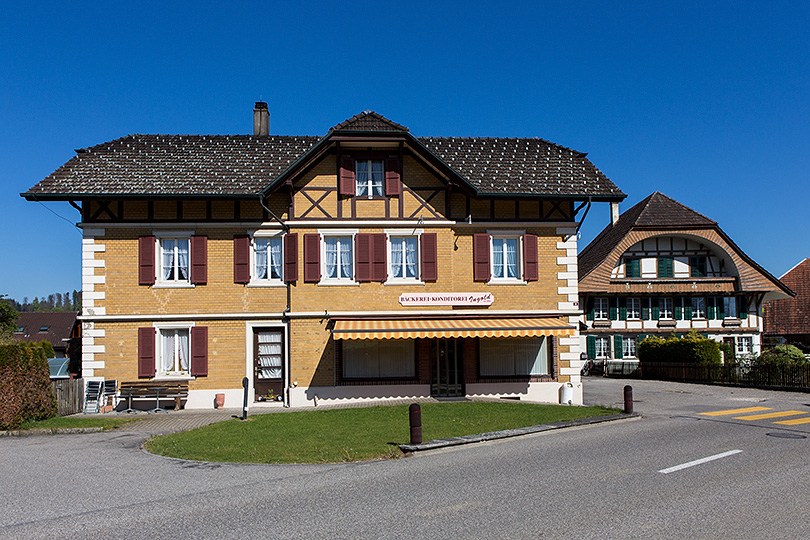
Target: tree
(8, 319)
(35, 304)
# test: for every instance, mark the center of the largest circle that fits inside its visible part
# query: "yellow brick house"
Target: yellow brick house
(364, 264)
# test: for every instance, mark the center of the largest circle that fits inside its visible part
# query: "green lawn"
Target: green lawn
(60, 422)
(352, 434)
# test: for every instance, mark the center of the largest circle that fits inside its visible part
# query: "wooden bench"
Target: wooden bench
(157, 390)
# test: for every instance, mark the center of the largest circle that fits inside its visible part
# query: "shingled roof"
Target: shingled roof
(657, 211)
(791, 316)
(245, 165)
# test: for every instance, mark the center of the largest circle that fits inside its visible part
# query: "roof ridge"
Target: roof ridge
(368, 121)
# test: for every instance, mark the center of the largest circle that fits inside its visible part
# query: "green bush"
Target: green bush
(781, 356)
(47, 348)
(25, 385)
(690, 349)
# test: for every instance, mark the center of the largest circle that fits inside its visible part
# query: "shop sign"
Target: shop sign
(446, 299)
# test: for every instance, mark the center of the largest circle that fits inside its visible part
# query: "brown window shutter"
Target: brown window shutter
(146, 352)
(393, 185)
(530, 269)
(199, 351)
(430, 266)
(241, 259)
(379, 268)
(199, 260)
(291, 257)
(346, 185)
(146, 260)
(363, 255)
(481, 270)
(312, 257)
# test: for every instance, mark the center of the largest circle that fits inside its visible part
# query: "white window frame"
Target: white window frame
(665, 308)
(602, 347)
(601, 309)
(501, 236)
(257, 237)
(369, 183)
(161, 237)
(391, 237)
(163, 329)
(349, 234)
(629, 347)
(633, 309)
(745, 345)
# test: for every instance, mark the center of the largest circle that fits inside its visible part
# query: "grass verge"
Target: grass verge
(340, 435)
(62, 422)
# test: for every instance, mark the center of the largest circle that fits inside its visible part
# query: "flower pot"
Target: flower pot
(219, 402)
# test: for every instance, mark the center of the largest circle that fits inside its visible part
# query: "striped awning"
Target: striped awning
(450, 328)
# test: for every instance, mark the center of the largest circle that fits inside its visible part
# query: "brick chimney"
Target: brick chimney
(261, 119)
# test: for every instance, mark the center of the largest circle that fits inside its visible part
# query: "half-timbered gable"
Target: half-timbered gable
(364, 263)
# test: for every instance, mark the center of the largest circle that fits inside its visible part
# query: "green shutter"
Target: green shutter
(710, 307)
(665, 267)
(645, 309)
(589, 310)
(590, 342)
(687, 310)
(677, 308)
(656, 308)
(618, 350)
(721, 308)
(613, 309)
(623, 309)
(632, 267)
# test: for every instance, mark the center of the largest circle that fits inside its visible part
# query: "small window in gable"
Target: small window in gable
(369, 176)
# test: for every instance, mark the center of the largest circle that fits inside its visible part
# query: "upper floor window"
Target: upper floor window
(665, 308)
(632, 267)
(634, 308)
(665, 267)
(505, 258)
(698, 307)
(369, 178)
(174, 259)
(697, 266)
(600, 309)
(730, 307)
(338, 258)
(268, 258)
(404, 257)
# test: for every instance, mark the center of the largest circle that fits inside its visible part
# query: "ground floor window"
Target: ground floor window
(174, 351)
(377, 359)
(745, 345)
(514, 356)
(269, 354)
(602, 347)
(629, 346)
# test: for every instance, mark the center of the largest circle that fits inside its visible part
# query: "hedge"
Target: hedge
(25, 386)
(690, 349)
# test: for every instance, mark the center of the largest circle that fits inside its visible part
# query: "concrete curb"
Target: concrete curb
(54, 431)
(505, 434)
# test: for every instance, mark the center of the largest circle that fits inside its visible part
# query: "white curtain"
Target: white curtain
(261, 258)
(182, 258)
(182, 349)
(345, 244)
(331, 256)
(497, 257)
(410, 257)
(275, 258)
(362, 178)
(270, 354)
(168, 351)
(377, 177)
(168, 259)
(396, 257)
(511, 257)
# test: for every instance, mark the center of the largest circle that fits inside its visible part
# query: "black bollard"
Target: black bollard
(416, 423)
(628, 399)
(245, 384)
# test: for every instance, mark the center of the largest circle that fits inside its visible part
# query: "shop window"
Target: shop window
(514, 357)
(379, 359)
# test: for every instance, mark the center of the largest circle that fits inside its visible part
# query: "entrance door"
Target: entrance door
(446, 366)
(268, 372)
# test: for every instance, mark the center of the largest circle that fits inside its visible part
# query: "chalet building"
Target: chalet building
(661, 269)
(788, 320)
(366, 263)
(59, 328)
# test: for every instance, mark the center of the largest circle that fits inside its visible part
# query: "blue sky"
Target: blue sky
(706, 102)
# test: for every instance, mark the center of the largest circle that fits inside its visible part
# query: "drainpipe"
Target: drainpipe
(285, 315)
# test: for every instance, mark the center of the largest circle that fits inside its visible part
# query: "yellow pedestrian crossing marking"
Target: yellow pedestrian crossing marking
(736, 411)
(769, 415)
(794, 422)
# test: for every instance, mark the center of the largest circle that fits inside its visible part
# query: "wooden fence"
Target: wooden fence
(69, 395)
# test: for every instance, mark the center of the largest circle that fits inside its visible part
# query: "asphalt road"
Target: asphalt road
(600, 481)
